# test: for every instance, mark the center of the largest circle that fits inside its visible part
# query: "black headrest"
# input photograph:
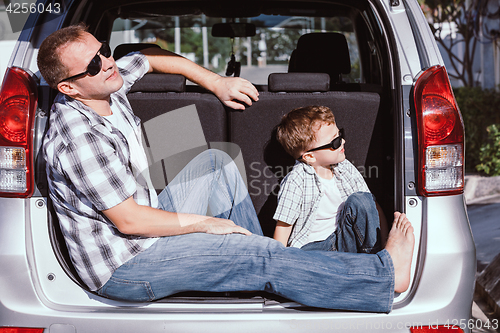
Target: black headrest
(155, 82)
(124, 49)
(293, 82)
(321, 53)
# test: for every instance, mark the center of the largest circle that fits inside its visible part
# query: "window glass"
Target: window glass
(267, 52)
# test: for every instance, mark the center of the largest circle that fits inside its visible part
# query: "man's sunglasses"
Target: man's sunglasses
(95, 64)
(335, 144)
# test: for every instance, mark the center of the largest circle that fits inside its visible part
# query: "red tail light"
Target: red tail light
(440, 135)
(436, 329)
(20, 330)
(18, 101)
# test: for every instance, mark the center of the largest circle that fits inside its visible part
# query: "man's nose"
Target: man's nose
(107, 63)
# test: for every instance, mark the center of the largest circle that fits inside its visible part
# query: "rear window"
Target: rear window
(267, 52)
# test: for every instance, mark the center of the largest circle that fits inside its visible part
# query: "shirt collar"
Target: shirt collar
(88, 112)
(66, 101)
(307, 168)
(340, 167)
(337, 168)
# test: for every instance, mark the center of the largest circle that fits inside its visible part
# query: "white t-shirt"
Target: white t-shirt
(138, 159)
(330, 205)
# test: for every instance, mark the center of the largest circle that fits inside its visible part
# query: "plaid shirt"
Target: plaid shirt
(89, 170)
(301, 191)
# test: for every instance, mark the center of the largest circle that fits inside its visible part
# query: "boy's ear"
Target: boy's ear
(308, 157)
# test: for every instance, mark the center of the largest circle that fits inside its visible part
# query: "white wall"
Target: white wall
(6, 47)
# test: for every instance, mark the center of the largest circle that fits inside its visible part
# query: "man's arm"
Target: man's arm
(133, 219)
(228, 89)
(282, 232)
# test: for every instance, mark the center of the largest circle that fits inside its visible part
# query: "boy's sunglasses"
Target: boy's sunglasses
(95, 64)
(335, 144)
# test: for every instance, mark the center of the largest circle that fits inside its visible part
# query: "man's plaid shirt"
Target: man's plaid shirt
(88, 169)
(301, 191)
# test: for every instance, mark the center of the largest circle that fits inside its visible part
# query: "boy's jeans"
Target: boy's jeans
(235, 262)
(358, 229)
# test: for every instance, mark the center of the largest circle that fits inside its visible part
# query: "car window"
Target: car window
(267, 52)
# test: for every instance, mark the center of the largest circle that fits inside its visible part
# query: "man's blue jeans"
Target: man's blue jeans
(235, 262)
(358, 229)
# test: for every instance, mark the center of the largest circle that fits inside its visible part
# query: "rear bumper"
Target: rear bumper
(35, 292)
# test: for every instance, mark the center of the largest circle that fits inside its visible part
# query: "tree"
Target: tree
(465, 22)
(454, 22)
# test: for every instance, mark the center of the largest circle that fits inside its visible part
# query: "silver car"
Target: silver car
(373, 62)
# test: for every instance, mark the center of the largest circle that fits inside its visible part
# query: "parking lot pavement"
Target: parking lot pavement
(483, 318)
(485, 224)
(484, 218)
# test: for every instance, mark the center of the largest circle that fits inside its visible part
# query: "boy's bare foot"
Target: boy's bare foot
(400, 246)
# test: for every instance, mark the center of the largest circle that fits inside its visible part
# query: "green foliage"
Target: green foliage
(479, 110)
(280, 44)
(489, 154)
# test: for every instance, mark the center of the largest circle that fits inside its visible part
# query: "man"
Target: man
(127, 243)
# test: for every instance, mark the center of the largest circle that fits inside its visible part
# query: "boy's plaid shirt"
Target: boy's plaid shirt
(300, 193)
(88, 169)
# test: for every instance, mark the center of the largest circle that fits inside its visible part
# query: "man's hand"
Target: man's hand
(234, 90)
(219, 226)
(229, 90)
(133, 219)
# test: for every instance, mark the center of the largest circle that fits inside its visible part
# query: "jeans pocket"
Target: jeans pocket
(127, 290)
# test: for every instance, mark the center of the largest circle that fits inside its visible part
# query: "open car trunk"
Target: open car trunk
(180, 119)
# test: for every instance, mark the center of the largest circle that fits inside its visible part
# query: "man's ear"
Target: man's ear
(67, 88)
(308, 158)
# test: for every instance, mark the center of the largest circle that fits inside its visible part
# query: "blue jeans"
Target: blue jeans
(235, 262)
(358, 229)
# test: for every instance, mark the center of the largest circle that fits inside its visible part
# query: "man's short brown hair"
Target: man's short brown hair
(49, 60)
(297, 129)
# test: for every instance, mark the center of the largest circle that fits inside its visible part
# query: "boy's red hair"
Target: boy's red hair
(297, 129)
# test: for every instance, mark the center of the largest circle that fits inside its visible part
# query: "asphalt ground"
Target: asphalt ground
(485, 224)
(484, 218)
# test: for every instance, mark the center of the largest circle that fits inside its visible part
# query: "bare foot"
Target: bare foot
(400, 246)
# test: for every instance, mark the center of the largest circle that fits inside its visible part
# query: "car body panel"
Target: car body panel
(35, 291)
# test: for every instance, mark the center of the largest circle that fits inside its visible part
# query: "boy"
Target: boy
(324, 202)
